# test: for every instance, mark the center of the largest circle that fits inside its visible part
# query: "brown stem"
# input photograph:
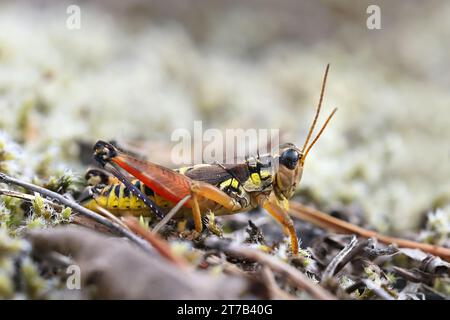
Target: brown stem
(325, 221)
(294, 275)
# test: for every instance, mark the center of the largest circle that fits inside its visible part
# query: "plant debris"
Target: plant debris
(332, 266)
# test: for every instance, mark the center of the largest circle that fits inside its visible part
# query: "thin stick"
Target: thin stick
(227, 266)
(118, 229)
(319, 106)
(86, 222)
(30, 198)
(331, 268)
(170, 215)
(110, 216)
(294, 275)
(157, 242)
(275, 291)
(378, 290)
(27, 197)
(323, 220)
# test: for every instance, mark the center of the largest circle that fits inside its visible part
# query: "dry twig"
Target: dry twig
(115, 227)
(157, 242)
(295, 276)
(275, 292)
(331, 269)
(325, 221)
(170, 214)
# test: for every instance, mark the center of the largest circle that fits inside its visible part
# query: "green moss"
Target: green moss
(10, 245)
(35, 223)
(41, 209)
(66, 214)
(24, 122)
(6, 286)
(34, 285)
(7, 154)
(11, 212)
(63, 182)
(442, 285)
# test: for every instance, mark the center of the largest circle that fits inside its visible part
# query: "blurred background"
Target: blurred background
(137, 70)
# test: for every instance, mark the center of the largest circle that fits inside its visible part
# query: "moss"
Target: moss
(43, 168)
(8, 245)
(41, 209)
(437, 230)
(66, 214)
(24, 122)
(362, 159)
(442, 285)
(63, 182)
(9, 153)
(6, 286)
(11, 212)
(34, 285)
(35, 223)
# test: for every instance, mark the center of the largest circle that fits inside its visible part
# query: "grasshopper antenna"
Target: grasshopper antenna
(320, 132)
(319, 106)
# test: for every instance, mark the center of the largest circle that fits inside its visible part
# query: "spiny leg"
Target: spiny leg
(282, 217)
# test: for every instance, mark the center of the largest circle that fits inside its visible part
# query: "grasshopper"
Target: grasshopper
(268, 181)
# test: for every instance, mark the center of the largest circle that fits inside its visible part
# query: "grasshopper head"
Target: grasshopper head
(290, 169)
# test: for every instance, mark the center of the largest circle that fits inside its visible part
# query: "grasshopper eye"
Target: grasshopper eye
(289, 158)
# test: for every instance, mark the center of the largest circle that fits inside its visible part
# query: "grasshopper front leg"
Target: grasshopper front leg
(282, 217)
